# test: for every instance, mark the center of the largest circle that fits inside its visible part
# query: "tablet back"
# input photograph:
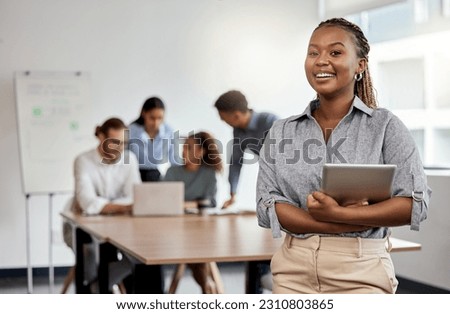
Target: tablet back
(158, 199)
(352, 183)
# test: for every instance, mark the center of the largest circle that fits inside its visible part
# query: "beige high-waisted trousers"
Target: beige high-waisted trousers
(333, 265)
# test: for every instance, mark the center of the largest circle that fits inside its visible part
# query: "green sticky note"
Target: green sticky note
(74, 125)
(37, 111)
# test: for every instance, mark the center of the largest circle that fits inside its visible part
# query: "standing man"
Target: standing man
(249, 131)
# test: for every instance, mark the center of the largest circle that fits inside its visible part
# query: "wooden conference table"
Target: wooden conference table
(179, 239)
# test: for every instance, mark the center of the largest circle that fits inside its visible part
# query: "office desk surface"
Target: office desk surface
(183, 239)
(191, 238)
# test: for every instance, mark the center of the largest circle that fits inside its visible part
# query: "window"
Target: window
(409, 62)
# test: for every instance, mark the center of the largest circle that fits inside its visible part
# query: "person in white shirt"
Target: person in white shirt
(104, 179)
(104, 176)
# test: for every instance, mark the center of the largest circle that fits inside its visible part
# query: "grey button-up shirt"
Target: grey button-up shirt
(294, 151)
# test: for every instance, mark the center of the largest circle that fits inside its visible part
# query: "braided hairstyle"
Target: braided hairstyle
(363, 88)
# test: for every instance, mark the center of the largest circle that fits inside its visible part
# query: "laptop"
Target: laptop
(350, 183)
(158, 199)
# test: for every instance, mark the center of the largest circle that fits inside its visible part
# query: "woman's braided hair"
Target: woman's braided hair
(363, 88)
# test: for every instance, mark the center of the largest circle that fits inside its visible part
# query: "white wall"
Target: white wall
(430, 265)
(426, 54)
(187, 52)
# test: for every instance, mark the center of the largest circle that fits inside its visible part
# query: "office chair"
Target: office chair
(70, 277)
(69, 240)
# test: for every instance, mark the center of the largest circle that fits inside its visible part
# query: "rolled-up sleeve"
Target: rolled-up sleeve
(410, 178)
(268, 191)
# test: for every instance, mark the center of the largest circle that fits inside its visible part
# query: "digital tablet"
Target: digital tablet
(353, 183)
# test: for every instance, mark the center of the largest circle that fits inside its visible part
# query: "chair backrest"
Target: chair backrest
(67, 227)
(69, 204)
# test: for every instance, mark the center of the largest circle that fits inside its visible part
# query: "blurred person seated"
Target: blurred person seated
(104, 179)
(201, 163)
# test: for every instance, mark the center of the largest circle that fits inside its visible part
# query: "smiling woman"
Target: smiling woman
(332, 66)
(342, 246)
(336, 51)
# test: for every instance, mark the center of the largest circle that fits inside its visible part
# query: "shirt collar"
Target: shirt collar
(357, 103)
(252, 125)
(98, 158)
(162, 129)
(162, 133)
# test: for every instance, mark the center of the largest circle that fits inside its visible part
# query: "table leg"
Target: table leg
(107, 254)
(147, 279)
(254, 272)
(81, 238)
